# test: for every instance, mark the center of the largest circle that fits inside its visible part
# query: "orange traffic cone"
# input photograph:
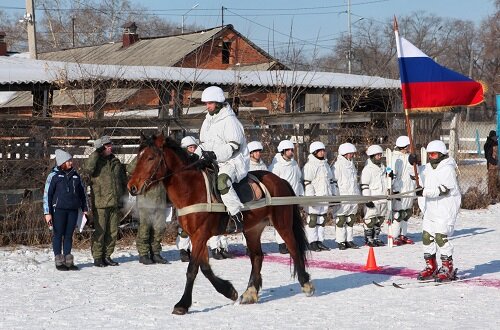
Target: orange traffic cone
(371, 263)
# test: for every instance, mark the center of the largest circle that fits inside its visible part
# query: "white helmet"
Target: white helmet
(188, 141)
(285, 144)
(254, 145)
(315, 146)
(346, 148)
(213, 94)
(437, 146)
(402, 141)
(374, 149)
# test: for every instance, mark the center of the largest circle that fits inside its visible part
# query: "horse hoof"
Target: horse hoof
(308, 289)
(179, 311)
(234, 295)
(250, 296)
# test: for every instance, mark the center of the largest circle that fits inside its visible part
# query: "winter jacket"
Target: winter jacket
(402, 181)
(223, 134)
(318, 177)
(373, 179)
(108, 180)
(154, 197)
(260, 166)
(373, 182)
(347, 176)
(288, 170)
(490, 152)
(442, 209)
(63, 190)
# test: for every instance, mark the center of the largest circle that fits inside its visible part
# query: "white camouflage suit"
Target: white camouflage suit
(318, 181)
(440, 212)
(346, 174)
(223, 134)
(402, 182)
(260, 166)
(373, 182)
(288, 170)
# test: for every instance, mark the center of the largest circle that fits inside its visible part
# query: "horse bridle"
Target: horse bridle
(148, 182)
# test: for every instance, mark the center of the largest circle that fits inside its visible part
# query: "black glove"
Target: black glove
(443, 192)
(391, 175)
(370, 205)
(412, 159)
(209, 155)
(419, 192)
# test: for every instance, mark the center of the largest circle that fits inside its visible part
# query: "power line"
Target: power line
(309, 8)
(278, 32)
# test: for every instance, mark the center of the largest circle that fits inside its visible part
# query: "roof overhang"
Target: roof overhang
(21, 74)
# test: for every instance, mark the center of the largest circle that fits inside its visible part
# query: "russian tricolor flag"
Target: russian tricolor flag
(427, 85)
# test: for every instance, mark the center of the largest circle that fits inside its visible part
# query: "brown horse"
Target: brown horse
(162, 159)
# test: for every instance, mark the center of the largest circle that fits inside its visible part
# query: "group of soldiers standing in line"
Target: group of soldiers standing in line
(318, 178)
(438, 193)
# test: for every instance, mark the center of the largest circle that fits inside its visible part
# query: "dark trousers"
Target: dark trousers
(492, 181)
(106, 222)
(64, 224)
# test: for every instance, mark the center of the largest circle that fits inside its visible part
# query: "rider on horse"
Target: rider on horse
(222, 139)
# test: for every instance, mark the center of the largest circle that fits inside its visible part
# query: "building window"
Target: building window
(226, 52)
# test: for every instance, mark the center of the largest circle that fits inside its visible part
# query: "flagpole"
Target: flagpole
(407, 112)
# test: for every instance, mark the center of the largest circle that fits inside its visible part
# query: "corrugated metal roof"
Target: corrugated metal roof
(151, 51)
(70, 97)
(27, 71)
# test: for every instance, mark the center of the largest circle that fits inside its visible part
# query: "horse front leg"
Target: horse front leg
(183, 305)
(251, 295)
(222, 286)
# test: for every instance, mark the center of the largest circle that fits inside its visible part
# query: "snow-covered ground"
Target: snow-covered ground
(36, 296)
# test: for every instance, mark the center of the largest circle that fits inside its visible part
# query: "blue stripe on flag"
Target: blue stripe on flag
(424, 69)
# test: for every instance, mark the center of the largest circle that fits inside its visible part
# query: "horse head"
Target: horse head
(158, 158)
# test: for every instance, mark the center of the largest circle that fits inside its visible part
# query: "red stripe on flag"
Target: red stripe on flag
(441, 94)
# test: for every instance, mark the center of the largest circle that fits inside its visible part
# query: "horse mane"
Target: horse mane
(177, 149)
(168, 143)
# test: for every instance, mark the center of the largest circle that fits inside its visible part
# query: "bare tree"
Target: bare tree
(488, 63)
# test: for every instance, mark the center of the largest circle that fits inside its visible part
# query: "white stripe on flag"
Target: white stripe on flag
(409, 50)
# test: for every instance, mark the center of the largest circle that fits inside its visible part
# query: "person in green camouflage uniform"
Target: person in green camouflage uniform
(108, 182)
(152, 205)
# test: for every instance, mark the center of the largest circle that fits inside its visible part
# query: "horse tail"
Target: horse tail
(299, 234)
(300, 238)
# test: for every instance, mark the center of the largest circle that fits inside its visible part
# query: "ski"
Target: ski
(388, 284)
(420, 284)
(417, 283)
(431, 282)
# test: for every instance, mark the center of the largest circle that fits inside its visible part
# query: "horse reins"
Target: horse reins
(150, 181)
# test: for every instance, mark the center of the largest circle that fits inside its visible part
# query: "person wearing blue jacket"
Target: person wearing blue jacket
(63, 196)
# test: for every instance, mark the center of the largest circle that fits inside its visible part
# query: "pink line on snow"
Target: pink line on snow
(352, 267)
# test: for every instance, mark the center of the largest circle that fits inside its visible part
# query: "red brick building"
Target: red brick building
(221, 48)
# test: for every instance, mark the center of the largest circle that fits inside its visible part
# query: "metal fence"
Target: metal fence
(469, 150)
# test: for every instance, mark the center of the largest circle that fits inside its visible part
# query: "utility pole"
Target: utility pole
(29, 18)
(73, 32)
(184, 17)
(471, 65)
(349, 51)
(222, 15)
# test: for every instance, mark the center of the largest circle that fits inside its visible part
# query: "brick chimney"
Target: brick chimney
(3, 44)
(130, 35)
